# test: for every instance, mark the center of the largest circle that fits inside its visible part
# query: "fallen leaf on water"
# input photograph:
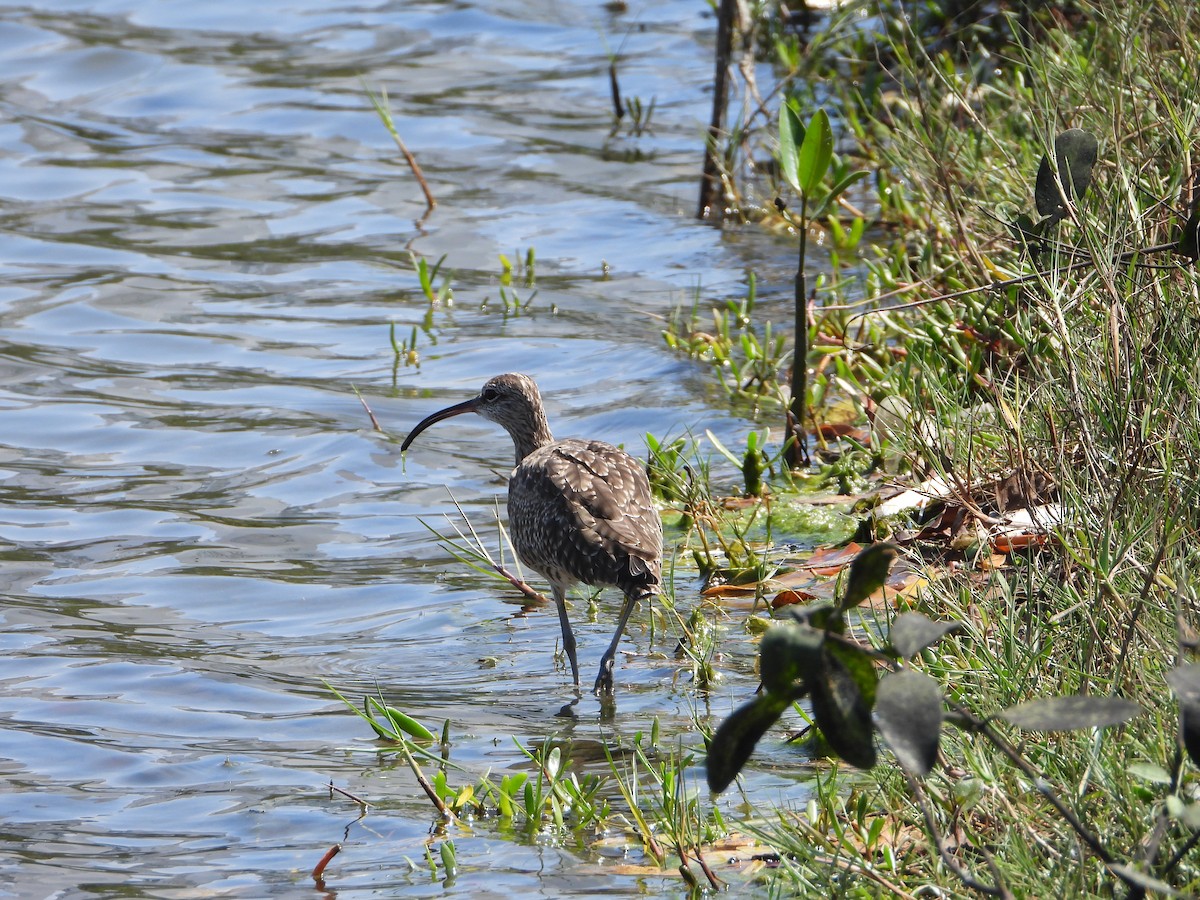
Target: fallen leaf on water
(732, 503)
(730, 590)
(830, 560)
(789, 597)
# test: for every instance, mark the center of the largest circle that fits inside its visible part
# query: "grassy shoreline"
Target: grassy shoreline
(1084, 375)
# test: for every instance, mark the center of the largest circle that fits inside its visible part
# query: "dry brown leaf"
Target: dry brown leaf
(831, 560)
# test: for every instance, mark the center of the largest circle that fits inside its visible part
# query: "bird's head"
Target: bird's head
(511, 401)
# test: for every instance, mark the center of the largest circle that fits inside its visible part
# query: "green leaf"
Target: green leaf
(402, 723)
(820, 208)
(1185, 682)
(1070, 713)
(1075, 155)
(860, 666)
(721, 448)
(791, 136)
(789, 652)
(843, 715)
(868, 572)
(449, 858)
(847, 182)
(735, 740)
(1148, 771)
(816, 152)
(912, 632)
(822, 614)
(408, 725)
(908, 710)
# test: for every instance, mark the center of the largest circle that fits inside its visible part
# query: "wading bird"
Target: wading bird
(578, 511)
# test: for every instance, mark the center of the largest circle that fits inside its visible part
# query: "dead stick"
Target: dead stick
(319, 871)
(618, 109)
(430, 202)
(437, 801)
(716, 882)
(333, 788)
(711, 174)
(374, 421)
(380, 103)
(519, 584)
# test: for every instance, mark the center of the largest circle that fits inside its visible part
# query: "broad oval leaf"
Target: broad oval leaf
(816, 153)
(1185, 682)
(1189, 241)
(822, 614)
(908, 710)
(1075, 155)
(912, 632)
(868, 572)
(791, 136)
(1023, 229)
(735, 740)
(843, 715)
(860, 666)
(789, 652)
(1070, 713)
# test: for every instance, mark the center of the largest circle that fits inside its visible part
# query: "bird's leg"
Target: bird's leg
(560, 600)
(604, 681)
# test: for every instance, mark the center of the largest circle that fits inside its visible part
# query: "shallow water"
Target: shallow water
(204, 238)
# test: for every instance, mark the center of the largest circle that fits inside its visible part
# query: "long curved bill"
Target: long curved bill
(456, 410)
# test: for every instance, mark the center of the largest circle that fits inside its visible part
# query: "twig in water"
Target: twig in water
(710, 178)
(374, 422)
(618, 109)
(717, 883)
(334, 789)
(380, 102)
(319, 871)
(437, 801)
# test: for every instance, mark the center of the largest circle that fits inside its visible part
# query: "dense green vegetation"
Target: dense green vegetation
(1076, 379)
(1029, 337)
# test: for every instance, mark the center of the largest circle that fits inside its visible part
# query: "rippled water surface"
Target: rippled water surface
(205, 235)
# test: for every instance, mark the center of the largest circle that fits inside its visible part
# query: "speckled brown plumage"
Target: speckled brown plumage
(579, 511)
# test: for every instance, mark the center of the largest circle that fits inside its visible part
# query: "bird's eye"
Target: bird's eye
(489, 394)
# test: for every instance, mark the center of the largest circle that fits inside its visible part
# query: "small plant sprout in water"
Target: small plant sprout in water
(554, 798)
(526, 271)
(525, 268)
(747, 362)
(404, 351)
(427, 275)
(639, 114)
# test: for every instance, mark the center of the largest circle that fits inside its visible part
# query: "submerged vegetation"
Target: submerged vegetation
(1002, 210)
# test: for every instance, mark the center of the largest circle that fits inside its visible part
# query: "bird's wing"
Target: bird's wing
(604, 493)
